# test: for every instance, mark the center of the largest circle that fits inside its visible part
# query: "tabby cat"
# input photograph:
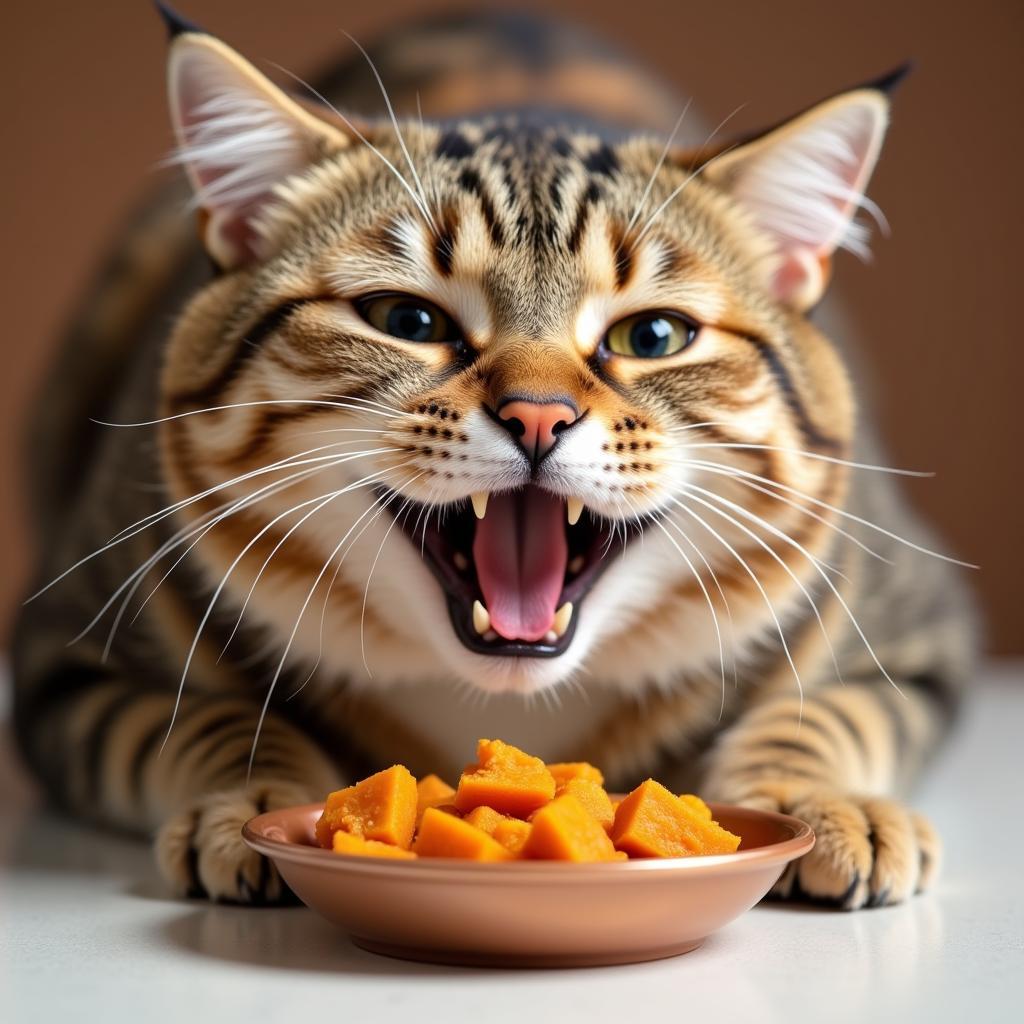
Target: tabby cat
(511, 420)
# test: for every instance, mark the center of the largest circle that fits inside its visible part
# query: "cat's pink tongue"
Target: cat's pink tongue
(521, 553)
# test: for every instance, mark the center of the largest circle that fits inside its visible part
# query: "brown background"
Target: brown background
(85, 123)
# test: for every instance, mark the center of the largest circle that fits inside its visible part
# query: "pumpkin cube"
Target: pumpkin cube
(565, 830)
(346, 842)
(696, 805)
(484, 818)
(510, 832)
(382, 807)
(595, 800)
(444, 835)
(653, 822)
(506, 780)
(431, 791)
(563, 771)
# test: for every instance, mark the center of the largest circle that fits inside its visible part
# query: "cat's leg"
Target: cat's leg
(99, 745)
(838, 763)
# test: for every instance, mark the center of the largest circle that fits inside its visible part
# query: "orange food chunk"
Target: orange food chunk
(565, 830)
(595, 800)
(505, 779)
(382, 807)
(484, 818)
(510, 832)
(565, 770)
(346, 842)
(443, 835)
(431, 791)
(696, 804)
(653, 822)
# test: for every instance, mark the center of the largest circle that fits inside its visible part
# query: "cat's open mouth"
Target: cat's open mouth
(514, 567)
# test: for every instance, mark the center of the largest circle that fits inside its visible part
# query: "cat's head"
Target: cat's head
(499, 401)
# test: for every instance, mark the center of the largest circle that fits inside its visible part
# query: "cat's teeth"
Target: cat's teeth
(481, 618)
(550, 637)
(461, 561)
(573, 510)
(576, 564)
(562, 619)
(479, 500)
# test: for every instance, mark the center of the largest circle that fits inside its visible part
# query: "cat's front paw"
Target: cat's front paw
(200, 851)
(869, 852)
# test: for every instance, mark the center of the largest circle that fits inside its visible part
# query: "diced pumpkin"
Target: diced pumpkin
(512, 833)
(653, 822)
(431, 791)
(696, 804)
(382, 807)
(346, 842)
(593, 797)
(484, 818)
(505, 779)
(563, 771)
(443, 835)
(565, 830)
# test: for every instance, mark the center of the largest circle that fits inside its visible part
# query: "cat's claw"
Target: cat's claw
(869, 852)
(201, 854)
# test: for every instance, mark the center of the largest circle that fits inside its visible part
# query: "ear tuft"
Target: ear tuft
(239, 138)
(803, 182)
(175, 23)
(891, 80)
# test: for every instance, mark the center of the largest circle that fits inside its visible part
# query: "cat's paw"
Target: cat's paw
(200, 851)
(869, 851)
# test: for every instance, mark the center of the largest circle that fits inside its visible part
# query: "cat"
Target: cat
(517, 400)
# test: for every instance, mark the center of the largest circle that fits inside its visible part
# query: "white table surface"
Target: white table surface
(88, 934)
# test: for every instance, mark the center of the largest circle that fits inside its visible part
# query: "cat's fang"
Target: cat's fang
(479, 499)
(573, 510)
(481, 617)
(562, 619)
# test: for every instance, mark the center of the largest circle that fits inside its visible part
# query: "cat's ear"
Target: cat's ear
(804, 181)
(239, 136)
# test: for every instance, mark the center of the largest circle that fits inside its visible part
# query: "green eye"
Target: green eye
(407, 317)
(650, 335)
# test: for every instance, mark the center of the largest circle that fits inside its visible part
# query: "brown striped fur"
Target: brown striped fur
(534, 251)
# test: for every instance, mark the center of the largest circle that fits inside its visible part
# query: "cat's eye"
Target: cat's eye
(407, 317)
(651, 335)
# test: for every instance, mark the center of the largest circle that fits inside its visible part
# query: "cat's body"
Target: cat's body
(521, 231)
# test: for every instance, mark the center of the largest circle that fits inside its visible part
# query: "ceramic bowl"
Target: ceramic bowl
(531, 913)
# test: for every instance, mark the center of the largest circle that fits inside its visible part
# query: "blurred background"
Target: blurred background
(86, 125)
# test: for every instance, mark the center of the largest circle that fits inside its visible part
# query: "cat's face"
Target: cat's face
(495, 394)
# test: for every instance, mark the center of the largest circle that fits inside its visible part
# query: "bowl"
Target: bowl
(531, 913)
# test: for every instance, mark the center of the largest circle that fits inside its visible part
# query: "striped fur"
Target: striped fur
(534, 241)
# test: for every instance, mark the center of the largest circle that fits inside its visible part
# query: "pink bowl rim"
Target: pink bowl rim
(799, 843)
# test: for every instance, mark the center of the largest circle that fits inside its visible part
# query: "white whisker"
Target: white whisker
(394, 122)
(679, 188)
(817, 566)
(781, 561)
(726, 470)
(291, 640)
(764, 595)
(417, 202)
(811, 455)
(657, 167)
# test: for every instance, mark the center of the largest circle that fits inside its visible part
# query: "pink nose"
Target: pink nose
(536, 425)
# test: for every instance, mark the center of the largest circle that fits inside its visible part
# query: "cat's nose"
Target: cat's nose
(536, 424)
